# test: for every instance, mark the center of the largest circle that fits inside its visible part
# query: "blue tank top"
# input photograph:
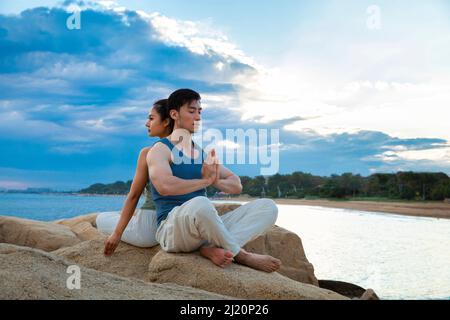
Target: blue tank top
(183, 167)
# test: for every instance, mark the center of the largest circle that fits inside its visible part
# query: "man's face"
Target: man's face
(189, 116)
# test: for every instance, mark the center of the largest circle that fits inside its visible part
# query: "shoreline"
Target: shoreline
(430, 209)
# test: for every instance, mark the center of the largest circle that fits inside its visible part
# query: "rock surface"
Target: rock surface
(347, 289)
(85, 231)
(235, 280)
(223, 208)
(127, 260)
(27, 273)
(77, 240)
(36, 234)
(287, 247)
(154, 265)
(274, 242)
(90, 218)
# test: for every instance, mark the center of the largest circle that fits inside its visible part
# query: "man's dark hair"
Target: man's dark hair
(180, 97)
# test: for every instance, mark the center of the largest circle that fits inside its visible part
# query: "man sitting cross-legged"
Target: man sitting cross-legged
(187, 220)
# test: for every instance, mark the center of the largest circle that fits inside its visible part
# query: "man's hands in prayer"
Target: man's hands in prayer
(210, 168)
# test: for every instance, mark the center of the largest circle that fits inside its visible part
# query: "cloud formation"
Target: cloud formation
(77, 100)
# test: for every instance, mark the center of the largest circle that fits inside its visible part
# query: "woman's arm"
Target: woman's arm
(140, 180)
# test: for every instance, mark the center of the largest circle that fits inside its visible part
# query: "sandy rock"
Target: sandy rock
(223, 208)
(369, 294)
(27, 273)
(85, 231)
(347, 289)
(76, 220)
(235, 280)
(126, 261)
(286, 246)
(36, 234)
(274, 242)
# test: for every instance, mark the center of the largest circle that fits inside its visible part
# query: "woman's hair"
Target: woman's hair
(161, 106)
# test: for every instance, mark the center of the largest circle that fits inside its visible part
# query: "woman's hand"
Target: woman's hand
(111, 244)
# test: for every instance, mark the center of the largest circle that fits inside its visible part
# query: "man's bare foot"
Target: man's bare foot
(218, 256)
(258, 261)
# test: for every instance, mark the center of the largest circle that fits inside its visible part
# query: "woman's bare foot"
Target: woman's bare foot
(218, 256)
(258, 261)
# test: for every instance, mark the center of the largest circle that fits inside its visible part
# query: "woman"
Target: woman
(138, 230)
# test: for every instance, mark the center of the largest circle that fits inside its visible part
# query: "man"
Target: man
(187, 220)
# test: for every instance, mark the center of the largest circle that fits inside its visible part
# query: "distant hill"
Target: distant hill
(401, 185)
(118, 187)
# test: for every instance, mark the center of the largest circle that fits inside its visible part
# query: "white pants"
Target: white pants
(140, 231)
(196, 223)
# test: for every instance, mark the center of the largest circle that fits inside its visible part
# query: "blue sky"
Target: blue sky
(346, 95)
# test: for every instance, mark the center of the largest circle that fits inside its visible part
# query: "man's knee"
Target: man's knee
(270, 209)
(203, 207)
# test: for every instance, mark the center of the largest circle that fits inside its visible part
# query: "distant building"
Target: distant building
(221, 195)
(38, 190)
(31, 190)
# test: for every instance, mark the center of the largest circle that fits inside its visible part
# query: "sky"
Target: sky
(360, 86)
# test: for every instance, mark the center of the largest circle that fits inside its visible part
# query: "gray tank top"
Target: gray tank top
(148, 203)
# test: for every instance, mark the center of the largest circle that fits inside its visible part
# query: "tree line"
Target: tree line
(401, 185)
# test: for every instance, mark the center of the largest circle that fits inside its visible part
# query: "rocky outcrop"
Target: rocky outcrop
(274, 242)
(36, 234)
(85, 231)
(77, 240)
(153, 265)
(90, 218)
(369, 294)
(83, 226)
(27, 273)
(235, 280)
(287, 247)
(223, 208)
(127, 260)
(49, 236)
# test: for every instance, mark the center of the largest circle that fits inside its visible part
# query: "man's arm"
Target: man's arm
(227, 181)
(163, 179)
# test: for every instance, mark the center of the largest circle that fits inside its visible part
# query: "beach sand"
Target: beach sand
(432, 209)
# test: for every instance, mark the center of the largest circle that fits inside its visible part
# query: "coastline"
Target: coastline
(430, 209)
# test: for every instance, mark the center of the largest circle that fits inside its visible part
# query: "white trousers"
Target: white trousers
(140, 231)
(196, 223)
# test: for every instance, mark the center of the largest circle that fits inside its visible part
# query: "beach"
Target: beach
(431, 209)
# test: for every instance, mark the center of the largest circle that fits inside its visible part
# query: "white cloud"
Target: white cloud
(86, 71)
(73, 149)
(343, 79)
(228, 144)
(400, 158)
(441, 155)
(352, 95)
(12, 184)
(198, 37)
